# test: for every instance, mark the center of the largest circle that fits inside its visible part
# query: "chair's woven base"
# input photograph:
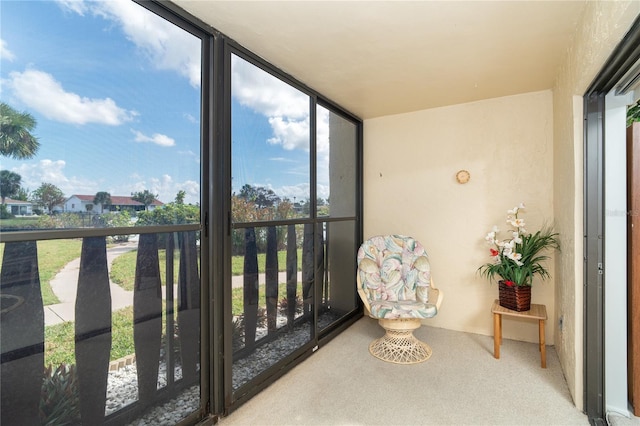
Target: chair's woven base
(399, 345)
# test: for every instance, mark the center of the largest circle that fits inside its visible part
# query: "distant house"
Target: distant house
(18, 207)
(81, 203)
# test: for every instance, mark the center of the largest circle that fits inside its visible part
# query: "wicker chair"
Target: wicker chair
(394, 282)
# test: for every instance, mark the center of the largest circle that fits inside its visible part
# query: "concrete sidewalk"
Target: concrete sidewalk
(65, 287)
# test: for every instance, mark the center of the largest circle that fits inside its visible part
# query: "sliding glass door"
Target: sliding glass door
(272, 240)
(294, 228)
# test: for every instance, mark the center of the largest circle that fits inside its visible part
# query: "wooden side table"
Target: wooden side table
(537, 312)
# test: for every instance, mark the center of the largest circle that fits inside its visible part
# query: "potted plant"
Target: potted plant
(518, 259)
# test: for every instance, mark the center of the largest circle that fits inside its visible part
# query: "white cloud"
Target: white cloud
(265, 93)
(282, 159)
(76, 6)
(5, 53)
(40, 91)
(190, 118)
(322, 146)
(285, 106)
(291, 134)
(191, 154)
(322, 128)
(323, 191)
(167, 188)
(166, 45)
(287, 110)
(157, 138)
(300, 192)
(50, 171)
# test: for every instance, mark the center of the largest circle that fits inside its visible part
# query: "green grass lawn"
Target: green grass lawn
(237, 262)
(123, 268)
(237, 297)
(60, 339)
(52, 256)
(30, 222)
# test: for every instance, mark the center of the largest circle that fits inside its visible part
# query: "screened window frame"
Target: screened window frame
(215, 205)
(176, 16)
(207, 35)
(234, 399)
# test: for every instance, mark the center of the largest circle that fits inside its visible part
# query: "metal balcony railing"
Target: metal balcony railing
(22, 329)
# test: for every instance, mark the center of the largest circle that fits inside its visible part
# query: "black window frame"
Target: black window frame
(233, 401)
(215, 206)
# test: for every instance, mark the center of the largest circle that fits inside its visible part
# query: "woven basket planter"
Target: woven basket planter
(516, 298)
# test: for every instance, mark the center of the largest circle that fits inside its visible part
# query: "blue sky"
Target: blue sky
(115, 91)
(281, 160)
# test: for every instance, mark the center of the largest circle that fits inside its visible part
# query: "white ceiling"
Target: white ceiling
(377, 58)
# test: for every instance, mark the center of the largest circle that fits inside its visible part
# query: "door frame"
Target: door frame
(619, 63)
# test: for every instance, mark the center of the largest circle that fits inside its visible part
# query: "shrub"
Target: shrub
(120, 219)
(170, 214)
(4, 212)
(284, 306)
(60, 220)
(238, 326)
(59, 402)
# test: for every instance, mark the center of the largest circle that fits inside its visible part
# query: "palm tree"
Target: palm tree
(9, 184)
(103, 198)
(16, 141)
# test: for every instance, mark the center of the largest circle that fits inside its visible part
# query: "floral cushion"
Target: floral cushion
(395, 276)
(402, 309)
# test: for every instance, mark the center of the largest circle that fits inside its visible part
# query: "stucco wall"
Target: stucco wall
(520, 148)
(410, 162)
(601, 28)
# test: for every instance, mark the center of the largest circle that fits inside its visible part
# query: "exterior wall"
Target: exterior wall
(601, 28)
(17, 208)
(74, 204)
(410, 163)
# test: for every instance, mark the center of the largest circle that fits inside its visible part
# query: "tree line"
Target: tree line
(253, 203)
(47, 196)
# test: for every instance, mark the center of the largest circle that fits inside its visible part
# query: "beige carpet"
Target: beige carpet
(615, 419)
(461, 384)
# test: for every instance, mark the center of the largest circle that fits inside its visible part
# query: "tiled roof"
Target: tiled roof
(12, 201)
(88, 198)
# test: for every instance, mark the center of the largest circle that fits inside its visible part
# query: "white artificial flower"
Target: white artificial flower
(491, 237)
(515, 257)
(518, 223)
